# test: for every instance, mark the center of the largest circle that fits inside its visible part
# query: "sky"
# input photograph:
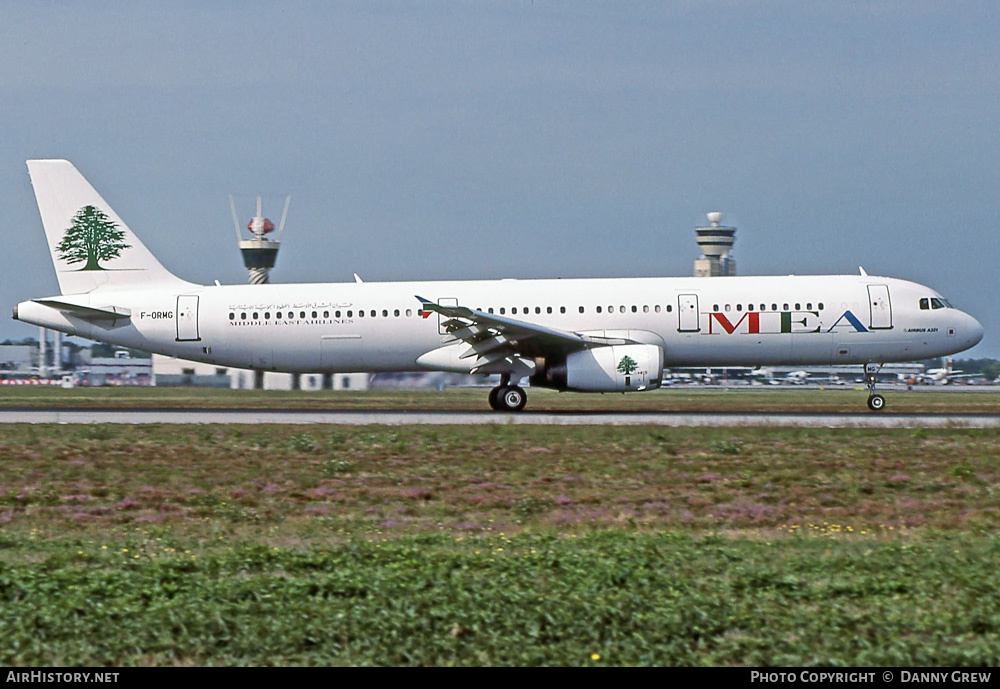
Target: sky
(465, 140)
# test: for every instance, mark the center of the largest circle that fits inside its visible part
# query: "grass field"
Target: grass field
(678, 399)
(498, 545)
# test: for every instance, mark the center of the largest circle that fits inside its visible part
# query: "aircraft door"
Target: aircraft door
(881, 307)
(187, 318)
(687, 313)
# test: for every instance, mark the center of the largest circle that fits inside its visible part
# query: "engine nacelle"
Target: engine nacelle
(613, 368)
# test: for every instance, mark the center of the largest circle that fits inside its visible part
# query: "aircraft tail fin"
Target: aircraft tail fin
(90, 245)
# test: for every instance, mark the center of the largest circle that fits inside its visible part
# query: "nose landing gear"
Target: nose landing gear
(875, 401)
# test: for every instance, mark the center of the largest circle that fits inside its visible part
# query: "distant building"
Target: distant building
(171, 371)
(18, 357)
(28, 361)
(121, 369)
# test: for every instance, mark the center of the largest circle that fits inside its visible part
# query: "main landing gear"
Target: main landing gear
(875, 401)
(507, 397)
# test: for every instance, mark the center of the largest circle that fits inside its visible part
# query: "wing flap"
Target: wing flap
(484, 346)
(507, 346)
(459, 317)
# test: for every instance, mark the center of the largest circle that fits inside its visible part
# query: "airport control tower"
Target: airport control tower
(259, 253)
(715, 241)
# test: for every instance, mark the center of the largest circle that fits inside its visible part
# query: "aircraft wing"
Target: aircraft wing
(498, 342)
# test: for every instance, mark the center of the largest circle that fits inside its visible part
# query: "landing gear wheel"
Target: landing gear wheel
(495, 398)
(511, 398)
(876, 402)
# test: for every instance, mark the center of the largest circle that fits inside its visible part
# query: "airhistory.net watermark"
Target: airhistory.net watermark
(60, 677)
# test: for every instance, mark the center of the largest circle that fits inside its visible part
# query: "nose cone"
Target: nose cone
(973, 331)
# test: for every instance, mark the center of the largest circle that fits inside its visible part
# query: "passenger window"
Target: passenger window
(774, 307)
(243, 316)
(739, 307)
(670, 308)
(763, 307)
(278, 315)
(337, 314)
(350, 314)
(645, 308)
(798, 306)
(657, 308)
(820, 305)
(548, 309)
(396, 313)
(538, 309)
(562, 309)
(302, 314)
(581, 309)
(784, 307)
(598, 309)
(634, 309)
(267, 315)
(232, 316)
(502, 310)
(514, 310)
(409, 312)
(809, 306)
(255, 315)
(361, 313)
(385, 313)
(314, 314)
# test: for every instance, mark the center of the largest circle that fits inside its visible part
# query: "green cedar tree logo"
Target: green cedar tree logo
(91, 237)
(627, 365)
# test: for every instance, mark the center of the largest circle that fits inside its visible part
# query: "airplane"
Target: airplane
(586, 335)
(944, 375)
(797, 377)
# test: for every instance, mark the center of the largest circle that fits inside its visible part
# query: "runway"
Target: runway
(395, 418)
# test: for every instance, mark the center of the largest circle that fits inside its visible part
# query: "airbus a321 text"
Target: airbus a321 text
(585, 335)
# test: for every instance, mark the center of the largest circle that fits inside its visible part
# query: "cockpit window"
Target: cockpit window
(935, 303)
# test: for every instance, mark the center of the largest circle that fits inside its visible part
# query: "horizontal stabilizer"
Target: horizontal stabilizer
(88, 313)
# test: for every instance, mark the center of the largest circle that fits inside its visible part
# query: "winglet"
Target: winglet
(861, 268)
(428, 306)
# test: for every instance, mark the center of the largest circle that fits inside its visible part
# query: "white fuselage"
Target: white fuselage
(346, 327)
